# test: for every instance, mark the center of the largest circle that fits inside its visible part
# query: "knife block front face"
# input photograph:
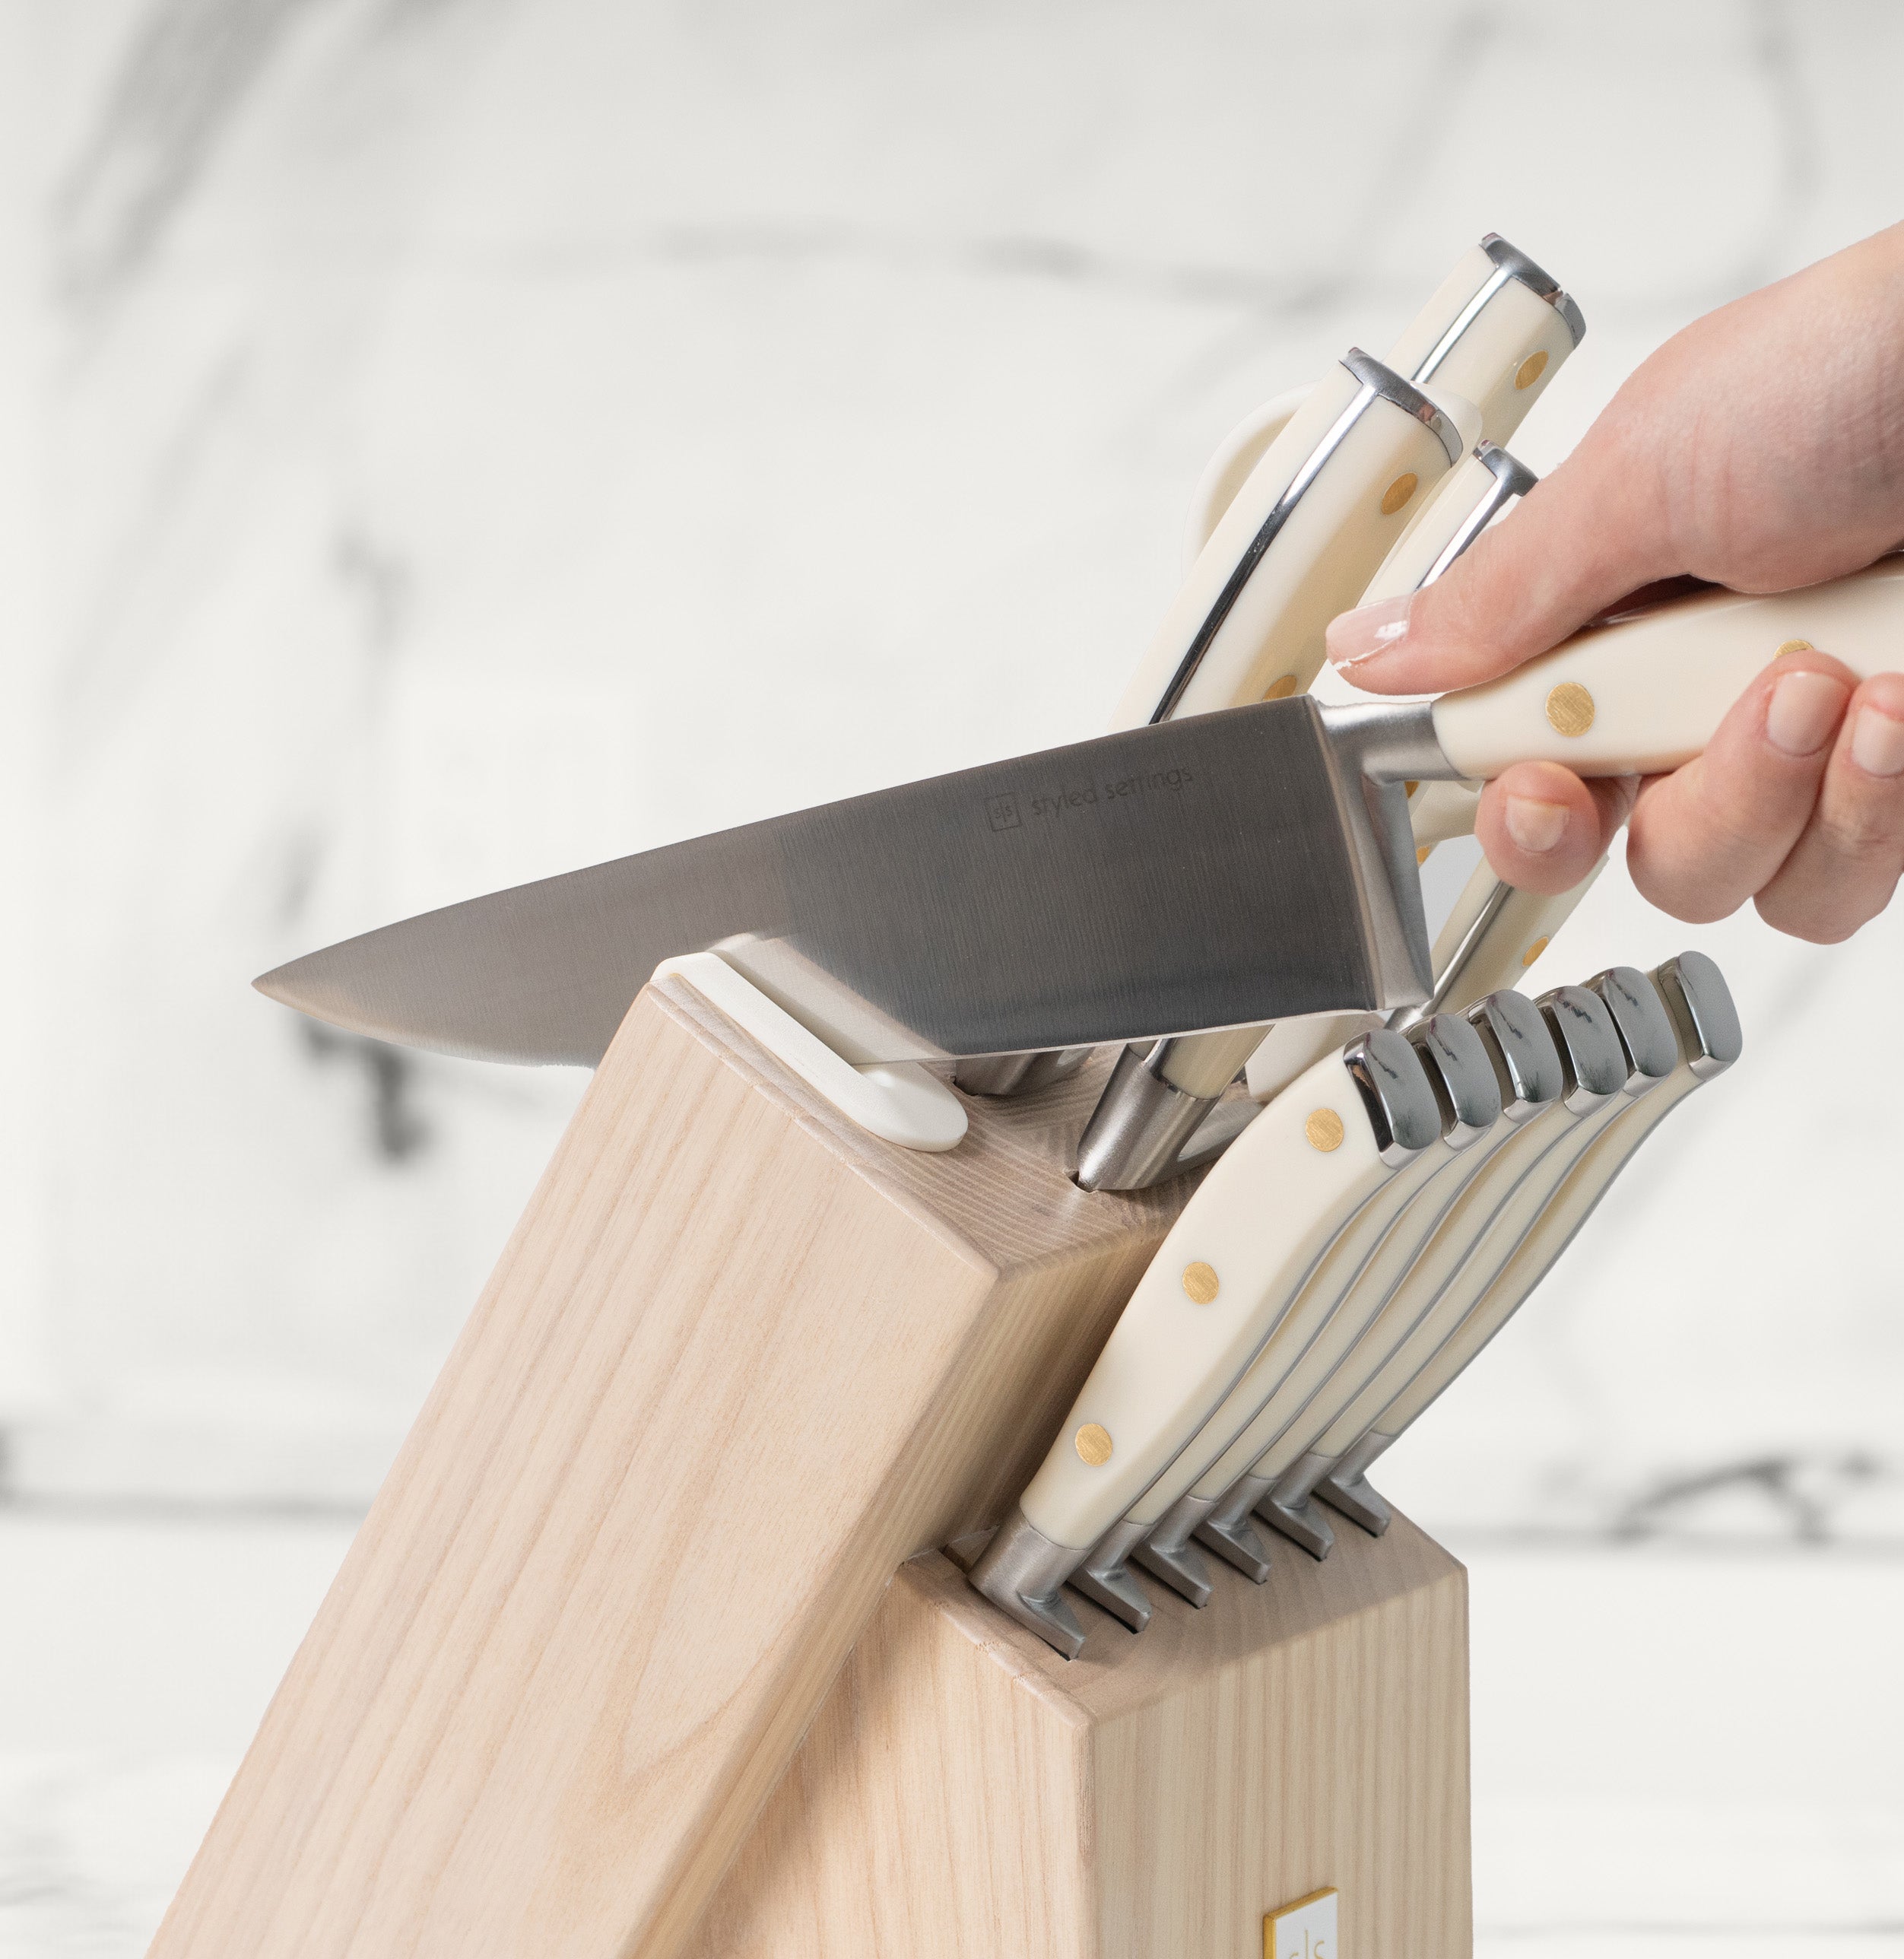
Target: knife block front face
(965, 1793)
(739, 1362)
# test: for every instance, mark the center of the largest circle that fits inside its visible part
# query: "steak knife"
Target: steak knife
(1707, 1040)
(1458, 1070)
(1388, 1296)
(1215, 872)
(1223, 1276)
(1637, 1055)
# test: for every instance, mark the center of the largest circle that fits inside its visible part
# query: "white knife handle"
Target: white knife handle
(1360, 1270)
(1229, 469)
(1435, 1294)
(1294, 1359)
(1706, 1026)
(1470, 496)
(1318, 514)
(1267, 1211)
(1497, 331)
(1644, 692)
(1494, 934)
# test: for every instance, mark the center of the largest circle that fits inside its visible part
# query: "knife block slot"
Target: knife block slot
(740, 1362)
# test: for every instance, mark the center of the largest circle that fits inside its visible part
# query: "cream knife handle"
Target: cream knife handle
(1706, 1027)
(1496, 331)
(1563, 1210)
(1267, 1211)
(1493, 935)
(1644, 693)
(1298, 1332)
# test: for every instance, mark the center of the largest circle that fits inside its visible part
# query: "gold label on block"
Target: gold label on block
(1304, 1930)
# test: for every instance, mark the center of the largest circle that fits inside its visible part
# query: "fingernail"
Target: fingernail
(1803, 711)
(1379, 628)
(1535, 826)
(1877, 743)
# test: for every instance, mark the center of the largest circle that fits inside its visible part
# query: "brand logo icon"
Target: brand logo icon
(1003, 811)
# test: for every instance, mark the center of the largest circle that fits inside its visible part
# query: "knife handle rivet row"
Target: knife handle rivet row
(1093, 1444)
(1324, 1130)
(1200, 1282)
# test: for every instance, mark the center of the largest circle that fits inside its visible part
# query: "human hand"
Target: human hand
(1761, 448)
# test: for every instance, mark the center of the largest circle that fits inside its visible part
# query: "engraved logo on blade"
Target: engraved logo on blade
(1003, 810)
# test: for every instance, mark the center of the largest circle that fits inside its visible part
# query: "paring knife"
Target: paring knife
(1264, 853)
(1707, 1040)
(1484, 1235)
(1497, 330)
(1511, 1041)
(1457, 1069)
(1210, 1297)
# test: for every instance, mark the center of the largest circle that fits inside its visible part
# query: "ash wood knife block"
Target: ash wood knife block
(618, 1667)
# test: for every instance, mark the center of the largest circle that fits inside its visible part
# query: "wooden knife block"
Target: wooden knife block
(618, 1667)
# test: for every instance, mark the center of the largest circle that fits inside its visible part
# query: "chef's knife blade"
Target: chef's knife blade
(972, 913)
(1241, 866)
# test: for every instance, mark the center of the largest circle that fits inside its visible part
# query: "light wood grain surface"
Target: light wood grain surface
(738, 1362)
(966, 1794)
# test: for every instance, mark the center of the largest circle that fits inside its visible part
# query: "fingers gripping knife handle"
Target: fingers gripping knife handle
(1707, 1040)
(1268, 1210)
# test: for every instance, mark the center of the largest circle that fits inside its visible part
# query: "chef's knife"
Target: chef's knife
(1210, 872)
(1707, 1041)
(1228, 1266)
(1537, 1162)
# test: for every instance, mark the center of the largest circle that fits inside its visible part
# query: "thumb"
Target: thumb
(1587, 535)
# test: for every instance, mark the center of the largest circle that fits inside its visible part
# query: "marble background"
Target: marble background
(443, 441)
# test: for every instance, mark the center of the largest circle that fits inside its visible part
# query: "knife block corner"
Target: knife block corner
(739, 1362)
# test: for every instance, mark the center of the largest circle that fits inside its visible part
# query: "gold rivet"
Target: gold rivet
(1093, 1444)
(1200, 1281)
(1533, 952)
(1421, 855)
(1794, 647)
(1409, 788)
(1569, 709)
(1280, 688)
(1398, 492)
(1530, 370)
(1324, 1129)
